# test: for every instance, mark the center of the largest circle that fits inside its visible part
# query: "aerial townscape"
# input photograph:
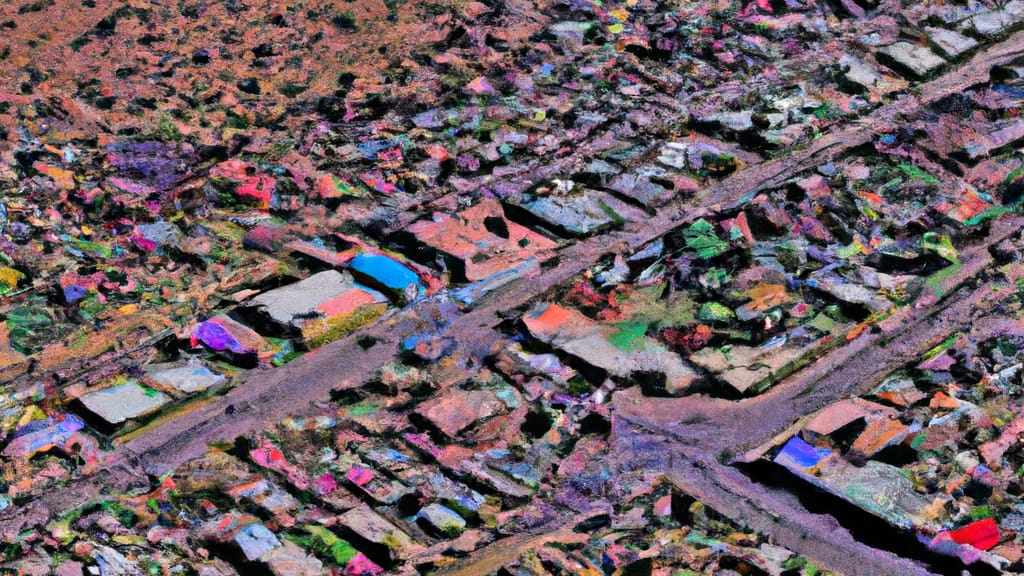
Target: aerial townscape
(511, 287)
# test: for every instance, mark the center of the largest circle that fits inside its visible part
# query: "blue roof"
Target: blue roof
(384, 270)
(801, 454)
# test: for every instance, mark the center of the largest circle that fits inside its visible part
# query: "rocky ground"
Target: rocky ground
(516, 288)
